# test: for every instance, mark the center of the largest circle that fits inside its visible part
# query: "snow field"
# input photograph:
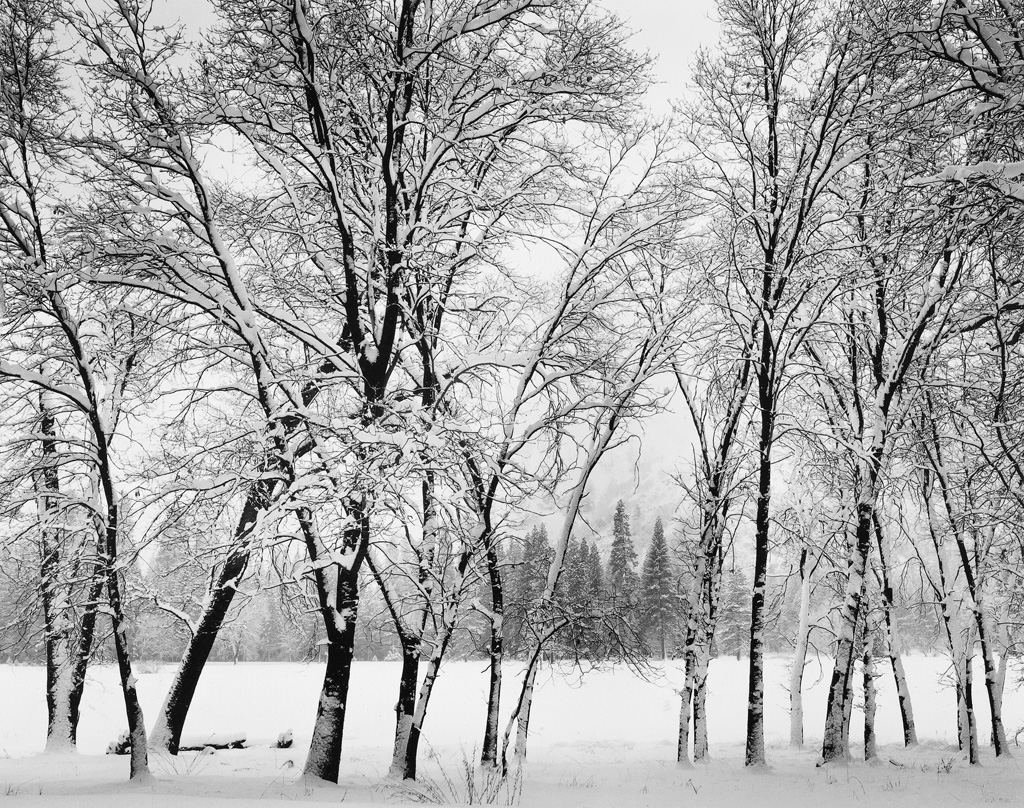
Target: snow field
(606, 739)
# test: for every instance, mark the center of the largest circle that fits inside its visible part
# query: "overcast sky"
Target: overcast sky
(670, 30)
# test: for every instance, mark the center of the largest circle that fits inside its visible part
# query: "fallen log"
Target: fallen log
(218, 740)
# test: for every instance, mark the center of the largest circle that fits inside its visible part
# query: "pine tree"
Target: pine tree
(622, 578)
(657, 589)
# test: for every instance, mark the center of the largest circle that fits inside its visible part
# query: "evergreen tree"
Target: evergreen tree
(528, 574)
(732, 631)
(537, 555)
(572, 597)
(657, 590)
(572, 586)
(595, 573)
(622, 578)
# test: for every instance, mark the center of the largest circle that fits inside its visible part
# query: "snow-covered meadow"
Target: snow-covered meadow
(606, 739)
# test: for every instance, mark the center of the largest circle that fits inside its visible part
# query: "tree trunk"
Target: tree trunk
(139, 762)
(422, 703)
(959, 642)
(700, 715)
(870, 749)
(58, 636)
(523, 722)
(324, 759)
(847, 719)
(833, 745)
(796, 674)
(86, 637)
(496, 655)
(685, 706)
(892, 643)
(754, 751)
(170, 721)
(969, 733)
(1000, 685)
(405, 709)
(520, 718)
(991, 683)
(339, 606)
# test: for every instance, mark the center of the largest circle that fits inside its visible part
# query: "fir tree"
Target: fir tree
(657, 589)
(622, 578)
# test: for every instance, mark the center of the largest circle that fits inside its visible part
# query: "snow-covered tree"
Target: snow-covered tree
(658, 595)
(622, 578)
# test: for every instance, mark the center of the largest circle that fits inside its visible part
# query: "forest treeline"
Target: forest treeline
(305, 317)
(272, 625)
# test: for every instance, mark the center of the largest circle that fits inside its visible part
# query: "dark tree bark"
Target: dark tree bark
(171, 720)
(834, 745)
(339, 604)
(892, 642)
(495, 656)
(754, 753)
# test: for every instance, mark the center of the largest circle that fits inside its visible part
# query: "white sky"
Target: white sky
(670, 30)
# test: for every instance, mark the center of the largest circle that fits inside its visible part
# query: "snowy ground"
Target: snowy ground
(608, 740)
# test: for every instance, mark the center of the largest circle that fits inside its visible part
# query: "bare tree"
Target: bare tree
(81, 369)
(771, 164)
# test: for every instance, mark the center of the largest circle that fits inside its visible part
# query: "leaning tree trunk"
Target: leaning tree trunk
(526, 705)
(170, 722)
(86, 637)
(520, 718)
(422, 703)
(1000, 681)
(892, 642)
